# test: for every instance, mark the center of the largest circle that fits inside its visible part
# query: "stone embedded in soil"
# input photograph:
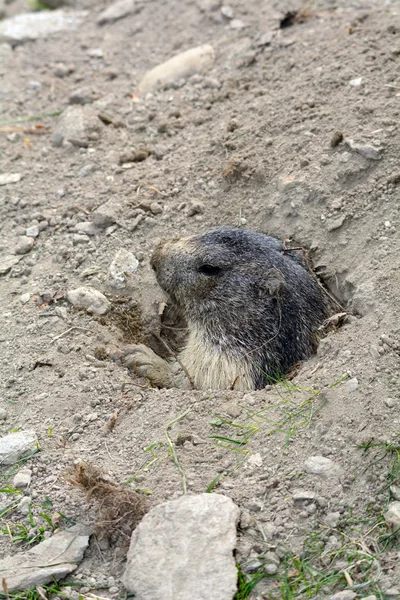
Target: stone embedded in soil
(52, 559)
(332, 519)
(124, 265)
(22, 480)
(24, 245)
(392, 515)
(319, 465)
(345, 595)
(8, 262)
(395, 491)
(106, 214)
(351, 384)
(117, 10)
(78, 125)
(32, 231)
(87, 227)
(17, 445)
(181, 66)
(365, 150)
(90, 299)
(6, 178)
(31, 26)
(184, 549)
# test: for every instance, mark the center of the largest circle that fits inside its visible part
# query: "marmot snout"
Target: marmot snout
(252, 310)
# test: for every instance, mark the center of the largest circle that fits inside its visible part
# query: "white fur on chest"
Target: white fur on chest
(212, 369)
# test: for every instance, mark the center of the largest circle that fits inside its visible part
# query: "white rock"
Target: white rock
(255, 460)
(32, 231)
(184, 549)
(357, 82)
(31, 26)
(179, 67)
(319, 465)
(22, 480)
(90, 299)
(117, 10)
(392, 516)
(237, 24)
(345, 595)
(38, 566)
(227, 11)
(8, 262)
(24, 245)
(3, 414)
(6, 178)
(351, 384)
(124, 265)
(17, 445)
(25, 298)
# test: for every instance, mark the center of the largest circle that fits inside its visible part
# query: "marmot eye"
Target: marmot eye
(210, 270)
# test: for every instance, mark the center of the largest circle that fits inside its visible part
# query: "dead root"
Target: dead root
(119, 508)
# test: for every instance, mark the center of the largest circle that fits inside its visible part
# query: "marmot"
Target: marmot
(252, 310)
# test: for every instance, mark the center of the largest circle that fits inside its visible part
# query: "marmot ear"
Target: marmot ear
(270, 283)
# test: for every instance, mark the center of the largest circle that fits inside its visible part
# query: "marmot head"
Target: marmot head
(243, 298)
(220, 269)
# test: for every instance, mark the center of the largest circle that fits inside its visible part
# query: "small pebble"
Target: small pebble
(24, 245)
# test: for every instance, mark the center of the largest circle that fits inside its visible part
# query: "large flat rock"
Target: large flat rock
(31, 26)
(52, 559)
(184, 549)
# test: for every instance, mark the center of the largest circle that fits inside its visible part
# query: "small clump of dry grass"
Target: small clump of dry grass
(119, 508)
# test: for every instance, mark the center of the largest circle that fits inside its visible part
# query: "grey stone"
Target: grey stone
(8, 262)
(32, 231)
(395, 491)
(87, 227)
(17, 445)
(24, 245)
(78, 125)
(83, 96)
(336, 223)
(351, 384)
(392, 515)
(117, 10)
(31, 26)
(52, 559)
(303, 496)
(90, 299)
(124, 265)
(332, 519)
(3, 414)
(25, 505)
(106, 214)
(22, 480)
(86, 170)
(184, 549)
(271, 568)
(345, 595)
(179, 67)
(319, 465)
(365, 150)
(6, 178)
